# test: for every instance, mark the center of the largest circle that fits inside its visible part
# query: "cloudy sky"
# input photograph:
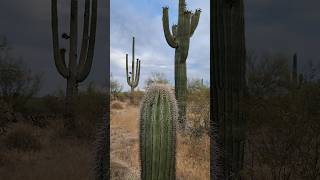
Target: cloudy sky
(143, 19)
(285, 26)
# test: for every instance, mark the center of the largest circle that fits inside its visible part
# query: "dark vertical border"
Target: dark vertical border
(108, 90)
(212, 157)
(102, 144)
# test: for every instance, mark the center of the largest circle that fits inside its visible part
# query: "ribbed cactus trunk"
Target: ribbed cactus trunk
(180, 40)
(158, 114)
(228, 80)
(77, 70)
(134, 75)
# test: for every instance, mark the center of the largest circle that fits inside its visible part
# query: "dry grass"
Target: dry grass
(193, 156)
(117, 105)
(60, 158)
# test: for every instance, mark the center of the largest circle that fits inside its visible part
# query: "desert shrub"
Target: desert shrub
(54, 104)
(138, 95)
(283, 137)
(90, 107)
(157, 77)
(123, 96)
(115, 88)
(198, 108)
(116, 105)
(17, 82)
(22, 138)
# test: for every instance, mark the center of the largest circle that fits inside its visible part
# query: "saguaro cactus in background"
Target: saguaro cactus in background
(295, 69)
(133, 80)
(228, 90)
(296, 81)
(180, 40)
(77, 70)
(158, 114)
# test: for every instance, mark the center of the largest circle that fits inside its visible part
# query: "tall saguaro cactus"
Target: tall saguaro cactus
(228, 79)
(133, 80)
(180, 40)
(77, 70)
(158, 114)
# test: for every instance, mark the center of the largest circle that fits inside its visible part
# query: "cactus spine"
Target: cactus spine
(228, 79)
(75, 72)
(158, 114)
(180, 40)
(133, 80)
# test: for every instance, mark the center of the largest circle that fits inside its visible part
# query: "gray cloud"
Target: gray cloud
(27, 26)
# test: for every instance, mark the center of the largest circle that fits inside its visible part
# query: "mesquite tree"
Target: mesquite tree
(133, 80)
(180, 40)
(228, 79)
(77, 70)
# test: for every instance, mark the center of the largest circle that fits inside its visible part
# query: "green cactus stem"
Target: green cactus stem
(77, 70)
(180, 40)
(228, 90)
(133, 76)
(158, 115)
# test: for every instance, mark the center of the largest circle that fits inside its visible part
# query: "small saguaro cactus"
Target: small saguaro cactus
(134, 75)
(180, 40)
(77, 70)
(158, 115)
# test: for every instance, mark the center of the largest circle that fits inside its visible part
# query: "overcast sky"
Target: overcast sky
(285, 26)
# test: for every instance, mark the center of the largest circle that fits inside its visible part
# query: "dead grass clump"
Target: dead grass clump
(120, 171)
(22, 138)
(116, 105)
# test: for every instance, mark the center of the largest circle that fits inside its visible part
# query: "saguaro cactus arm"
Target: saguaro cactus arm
(137, 77)
(194, 21)
(127, 72)
(84, 69)
(85, 35)
(58, 53)
(165, 22)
